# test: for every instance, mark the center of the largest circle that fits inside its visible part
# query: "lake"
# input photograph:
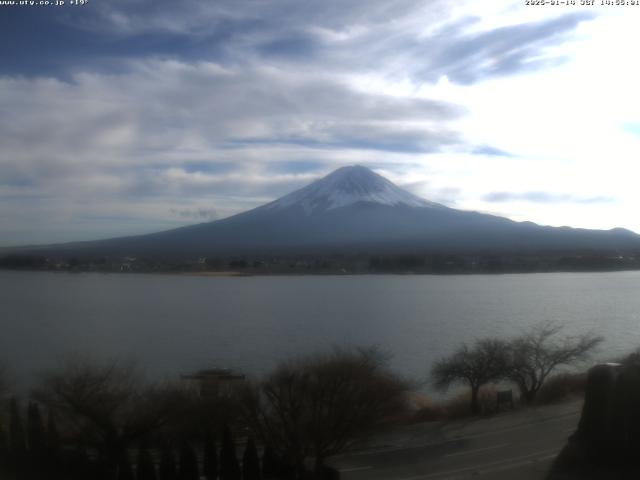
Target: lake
(178, 323)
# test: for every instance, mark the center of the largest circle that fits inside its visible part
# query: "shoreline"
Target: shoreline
(236, 273)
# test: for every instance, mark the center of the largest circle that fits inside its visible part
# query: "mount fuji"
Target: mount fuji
(355, 210)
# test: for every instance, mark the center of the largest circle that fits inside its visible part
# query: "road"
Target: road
(518, 445)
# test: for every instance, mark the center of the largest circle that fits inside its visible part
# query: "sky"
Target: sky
(120, 117)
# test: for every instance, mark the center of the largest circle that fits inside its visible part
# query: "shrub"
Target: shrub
(560, 387)
(632, 358)
(458, 406)
(426, 410)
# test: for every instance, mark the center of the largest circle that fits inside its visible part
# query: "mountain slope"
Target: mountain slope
(355, 210)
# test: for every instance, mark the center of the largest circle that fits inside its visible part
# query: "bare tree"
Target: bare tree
(476, 366)
(107, 405)
(317, 406)
(534, 355)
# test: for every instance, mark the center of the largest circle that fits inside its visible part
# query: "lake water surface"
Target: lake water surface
(177, 323)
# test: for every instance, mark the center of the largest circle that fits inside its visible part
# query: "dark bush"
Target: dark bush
(210, 457)
(188, 463)
(250, 462)
(560, 387)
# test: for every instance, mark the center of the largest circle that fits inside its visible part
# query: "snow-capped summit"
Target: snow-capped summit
(347, 186)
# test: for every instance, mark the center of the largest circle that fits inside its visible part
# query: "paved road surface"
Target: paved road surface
(518, 445)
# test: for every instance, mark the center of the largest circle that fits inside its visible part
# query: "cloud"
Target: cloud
(490, 151)
(96, 37)
(119, 127)
(365, 135)
(197, 214)
(468, 57)
(543, 197)
(395, 37)
(128, 17)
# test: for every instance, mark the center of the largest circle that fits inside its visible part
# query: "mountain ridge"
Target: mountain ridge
(352, 209)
